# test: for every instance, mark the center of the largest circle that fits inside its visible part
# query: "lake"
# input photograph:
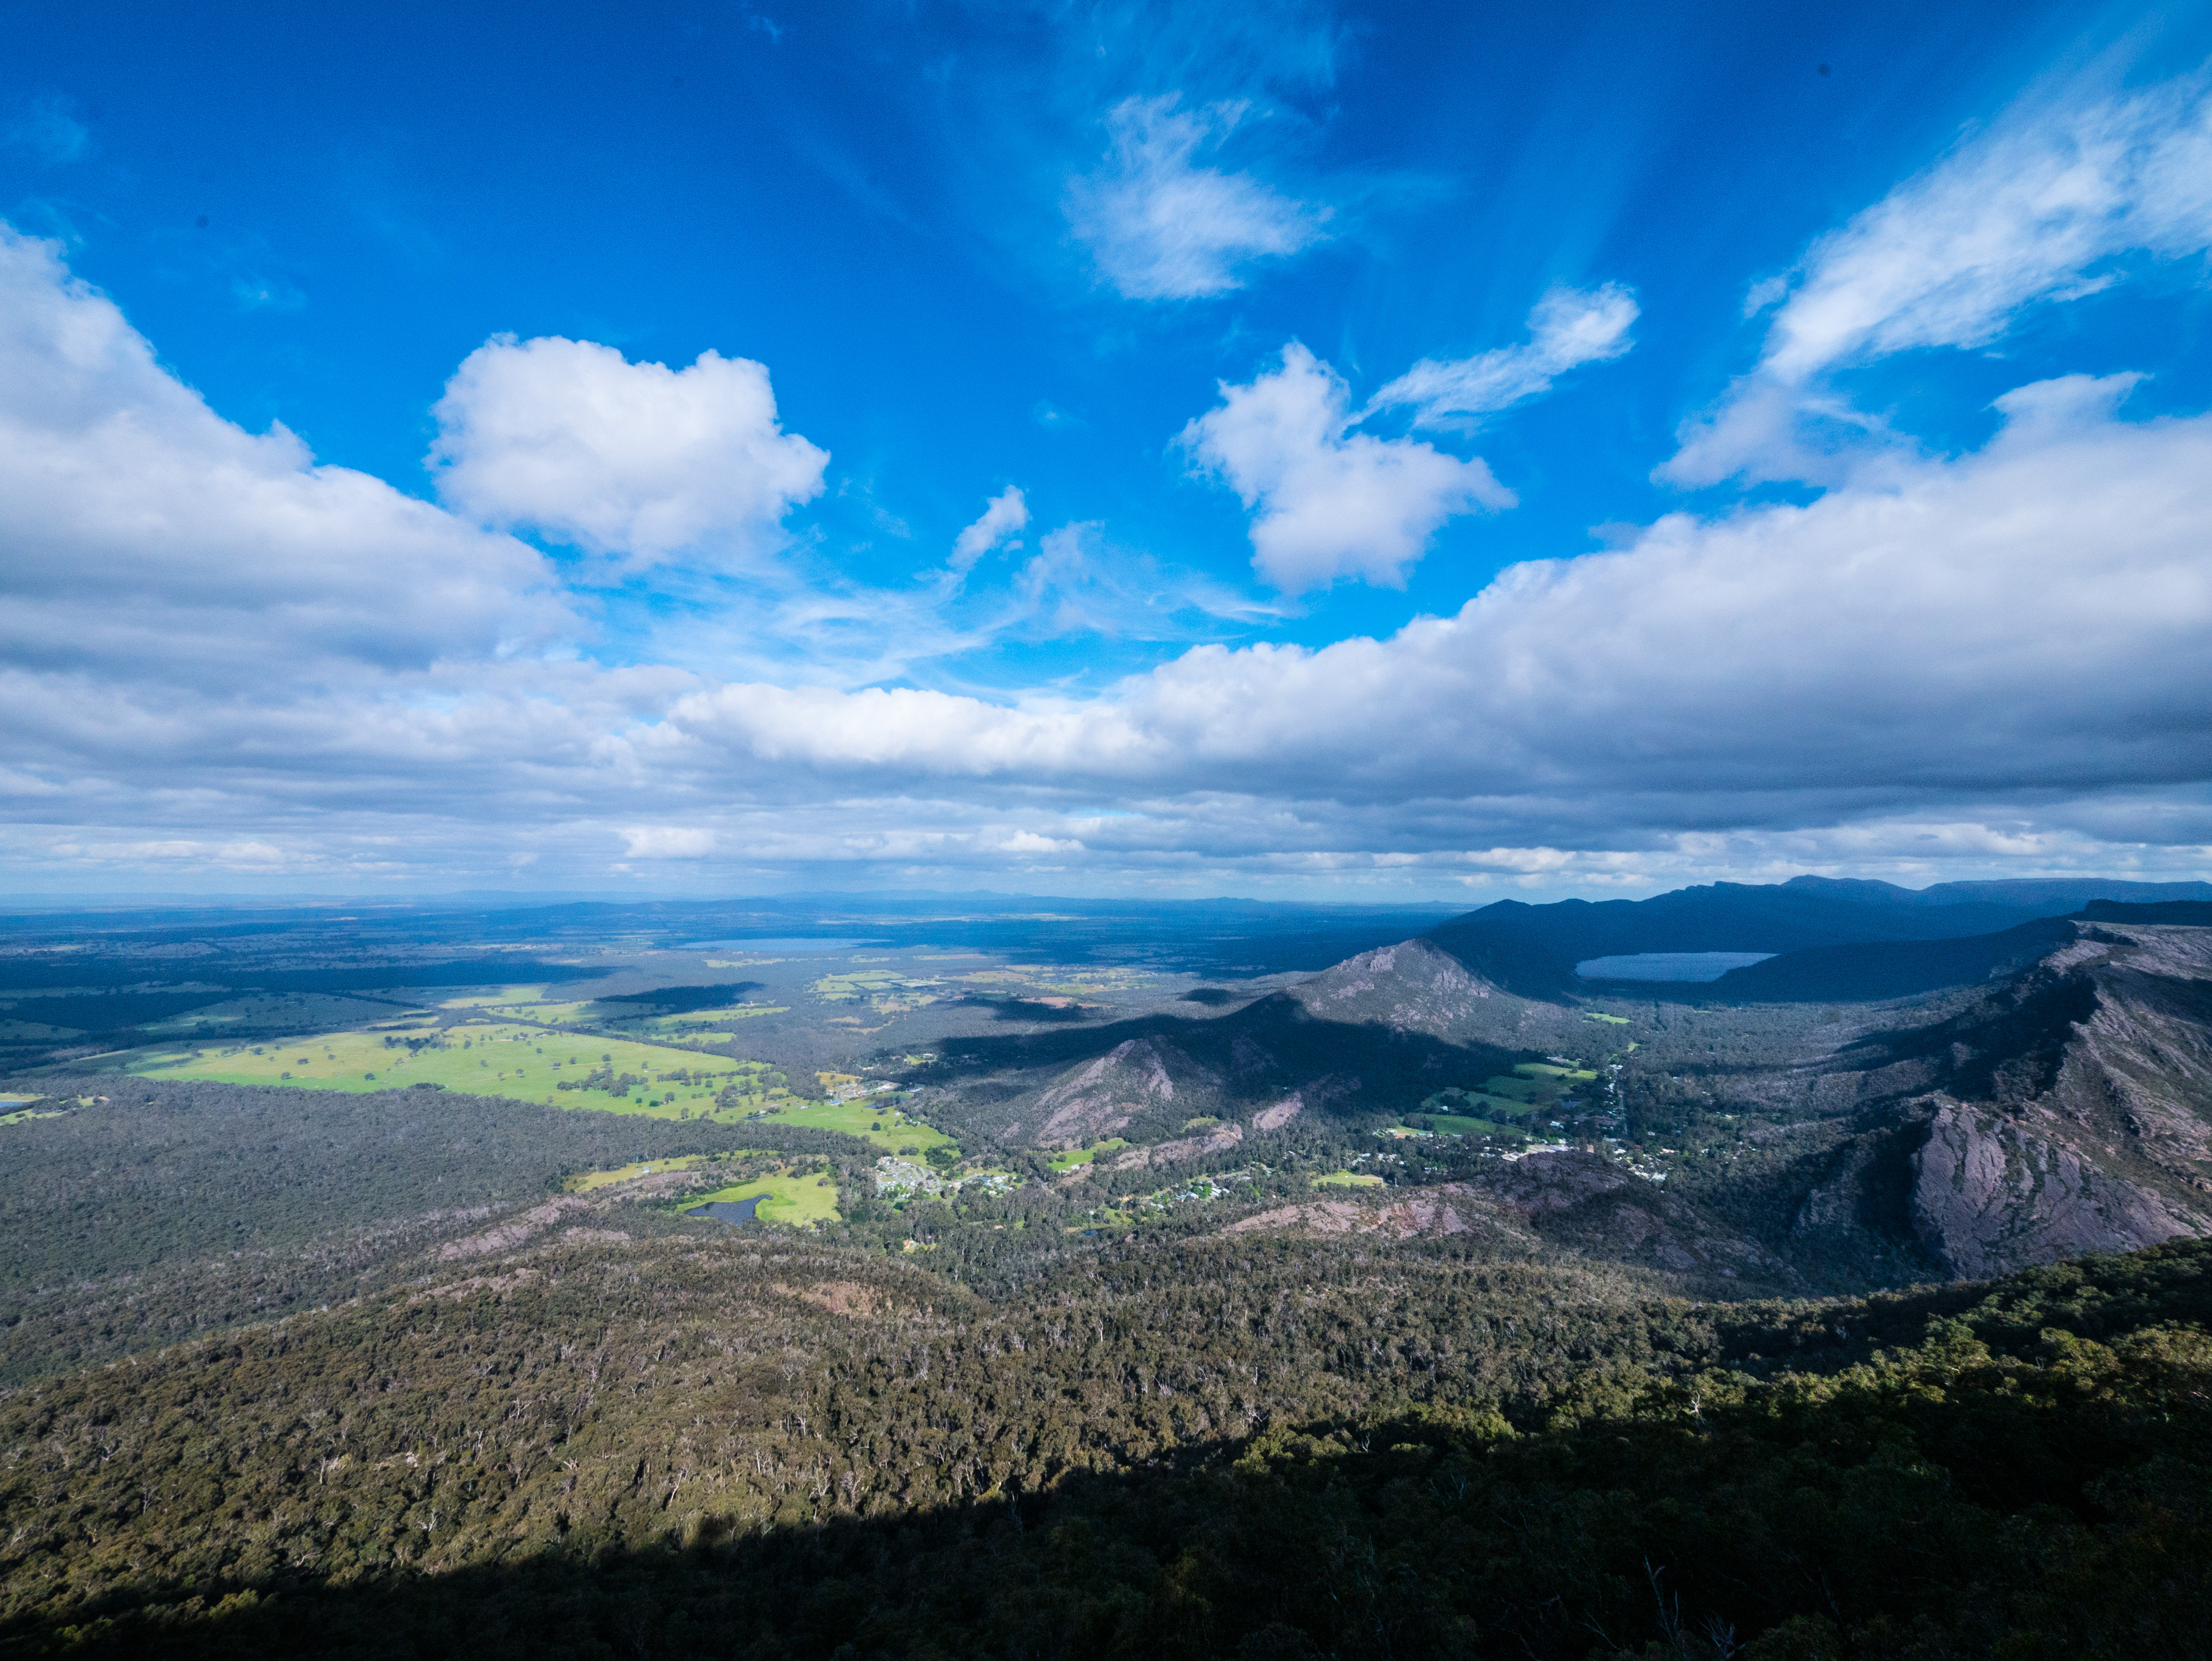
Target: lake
(1668, 966)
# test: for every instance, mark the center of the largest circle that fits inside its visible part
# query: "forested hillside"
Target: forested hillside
(1259, 1447)
(150, 1212)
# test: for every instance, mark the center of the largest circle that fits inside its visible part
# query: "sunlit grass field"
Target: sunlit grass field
(882, 1123)
(1069, 1160)
(794, 1201)
(524, 1063)
(531, 1003)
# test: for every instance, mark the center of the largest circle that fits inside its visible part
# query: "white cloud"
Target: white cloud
(1001, 525)
(620, 458)
(1331, 502)
(141, 535)
(1568, 327)
(1162, 227)
(2044, 206)
(2027, 212)
(2027, 622)
(265, 294)
(668, 842)
(1023, 842)
(217, 656)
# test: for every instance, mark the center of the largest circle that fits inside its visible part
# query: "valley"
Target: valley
(646, 1249)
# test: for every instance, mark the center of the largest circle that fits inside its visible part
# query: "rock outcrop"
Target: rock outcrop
(1989, 1197)
(1102, 1097)
(2067, 1109)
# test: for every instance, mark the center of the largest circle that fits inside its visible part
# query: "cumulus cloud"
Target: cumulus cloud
(1330, 503)
(2045, 205)
(216, 655)
(1162, 226)
(1001, 525)
(638, 460)
(2028, 620)
(1568, 327)
(141, 535)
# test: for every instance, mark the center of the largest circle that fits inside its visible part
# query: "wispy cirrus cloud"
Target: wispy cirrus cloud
(1162, 224)
(49, 129)
(2045, 205)
(1568, 327)
(1000, 526)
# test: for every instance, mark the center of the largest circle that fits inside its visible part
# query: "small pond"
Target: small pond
(738, 1213)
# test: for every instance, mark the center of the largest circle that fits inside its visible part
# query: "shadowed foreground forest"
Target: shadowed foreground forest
(1256, 1447)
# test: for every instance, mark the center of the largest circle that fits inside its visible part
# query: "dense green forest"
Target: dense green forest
(1261, 1445)
(154, 1211)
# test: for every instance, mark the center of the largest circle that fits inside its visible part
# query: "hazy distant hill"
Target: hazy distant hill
(1878, 970)
(1875, 970)
(1533, 949)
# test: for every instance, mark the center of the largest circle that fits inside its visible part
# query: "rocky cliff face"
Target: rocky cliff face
(1989, 1196)
(2071, 1107)
(1100, 1097)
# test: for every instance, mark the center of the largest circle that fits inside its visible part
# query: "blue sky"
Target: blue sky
(1126, 438)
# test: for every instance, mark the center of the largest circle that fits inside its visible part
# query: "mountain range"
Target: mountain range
(1845, 1113)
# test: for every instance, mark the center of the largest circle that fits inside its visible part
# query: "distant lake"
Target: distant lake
(787, 943)
(737, 1213)
(1668, 966)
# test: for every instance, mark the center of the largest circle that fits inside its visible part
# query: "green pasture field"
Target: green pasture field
(1610, 1021)
(499, 997)
(498, 1058)
(693, 1025)
(1534, 1084)
(1348, 1179)
(1480, 1104)
(1081, 1156)
(794, 1201)
(861, 1119)
(1463, 1124)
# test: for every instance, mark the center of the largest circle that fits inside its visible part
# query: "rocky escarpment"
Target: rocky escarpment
(2067, 1110)
(1102, 1096)
(1989, 1196)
